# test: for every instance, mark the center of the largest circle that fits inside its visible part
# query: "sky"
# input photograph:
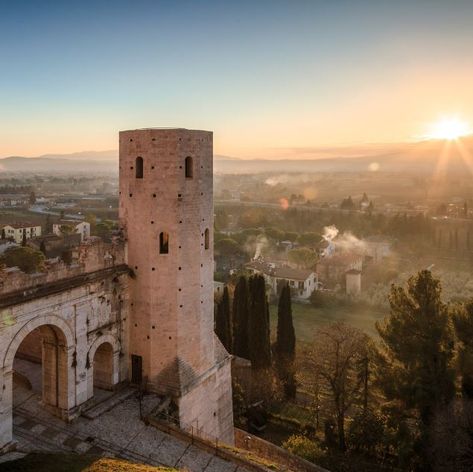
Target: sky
(269, 77)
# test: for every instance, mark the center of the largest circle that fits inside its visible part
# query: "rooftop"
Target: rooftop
(280, 271)
(17, 225)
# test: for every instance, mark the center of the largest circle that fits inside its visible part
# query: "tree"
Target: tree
(333, 367)
(286, 339)
(258, 325)
(32, 198)
(228, 247)
(223, 326)
(347, 204)
(417, 350)
(285, 346)
(67, 229)
(240, 319)
(274, 233)
(25, 258)
(302, 257)
(309, 239)
(48, 225)
(463, 323)
(104, 229)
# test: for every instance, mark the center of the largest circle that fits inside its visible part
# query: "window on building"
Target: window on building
(207, 238)
(139, 167)
(189, 168)
(163, 243)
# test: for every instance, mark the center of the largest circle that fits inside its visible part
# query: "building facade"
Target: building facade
(81, 227)
(21, 231)
(301, 282)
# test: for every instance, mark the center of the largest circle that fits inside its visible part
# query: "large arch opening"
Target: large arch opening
(40, 369)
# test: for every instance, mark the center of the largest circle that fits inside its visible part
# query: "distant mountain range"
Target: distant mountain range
(422, 157)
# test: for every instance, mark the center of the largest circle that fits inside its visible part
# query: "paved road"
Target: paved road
(117, 433)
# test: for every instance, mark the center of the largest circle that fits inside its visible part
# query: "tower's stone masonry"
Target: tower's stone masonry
(166, 211)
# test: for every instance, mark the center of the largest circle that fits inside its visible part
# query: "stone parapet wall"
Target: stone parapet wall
(89, 257)
(270, 451)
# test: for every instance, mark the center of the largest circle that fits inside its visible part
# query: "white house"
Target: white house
(302, 282)
(81, 227)
(20, 231)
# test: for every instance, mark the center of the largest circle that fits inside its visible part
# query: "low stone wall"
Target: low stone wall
(269, 451)
(228, 453)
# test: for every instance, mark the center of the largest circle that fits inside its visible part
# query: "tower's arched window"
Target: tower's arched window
(206, 238)
(163, 243)
(189, 169)
(139, 167)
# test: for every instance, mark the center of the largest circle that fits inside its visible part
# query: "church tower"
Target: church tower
(166, 212)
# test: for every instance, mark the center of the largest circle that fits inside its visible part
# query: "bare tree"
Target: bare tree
(334, 365)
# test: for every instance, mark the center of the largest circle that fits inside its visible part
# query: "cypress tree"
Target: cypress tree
(286, 338)
(286, 343)
(259, 340)
(240, 319)
(222, 322)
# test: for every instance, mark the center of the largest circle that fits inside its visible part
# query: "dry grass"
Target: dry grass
(75, 463)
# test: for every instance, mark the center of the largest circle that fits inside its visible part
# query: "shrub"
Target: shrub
(303, 447)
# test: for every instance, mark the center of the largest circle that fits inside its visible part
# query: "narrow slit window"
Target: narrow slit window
(206, 238)
(163, 243)
(139, 167)
(188, 167)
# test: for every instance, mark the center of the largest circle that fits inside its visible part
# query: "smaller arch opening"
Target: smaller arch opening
(103, 367)
(189, 168)
(163, 243)
(139, 167)
(207, 238)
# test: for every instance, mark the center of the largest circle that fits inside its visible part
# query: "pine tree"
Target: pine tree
(240, 319)
(418, 348)
(223, 322)
(285, 346)
(463, 322)
(258, 326)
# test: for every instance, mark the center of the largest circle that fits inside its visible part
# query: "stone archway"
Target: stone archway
(104, 364)
(57, 347)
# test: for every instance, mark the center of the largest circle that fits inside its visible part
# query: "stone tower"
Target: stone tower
(166, 211)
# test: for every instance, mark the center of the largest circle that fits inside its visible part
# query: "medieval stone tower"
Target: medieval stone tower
(166, 211)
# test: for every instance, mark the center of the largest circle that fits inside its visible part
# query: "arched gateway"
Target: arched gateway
(56, 336)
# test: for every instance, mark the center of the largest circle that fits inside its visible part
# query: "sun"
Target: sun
(449, 128)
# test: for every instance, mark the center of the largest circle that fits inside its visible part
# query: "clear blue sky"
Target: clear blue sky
(263, 75)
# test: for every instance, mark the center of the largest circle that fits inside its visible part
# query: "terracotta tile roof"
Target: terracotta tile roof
(282, 272)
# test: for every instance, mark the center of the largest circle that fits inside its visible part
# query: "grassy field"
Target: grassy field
(307, 318)
(75, 463)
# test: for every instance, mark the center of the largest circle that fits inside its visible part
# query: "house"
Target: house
(79, 227)
(353, 282)
(13, 200)
(377, 247)
(55, 246)
(302, 282)
(331, 270)
(20, 231)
